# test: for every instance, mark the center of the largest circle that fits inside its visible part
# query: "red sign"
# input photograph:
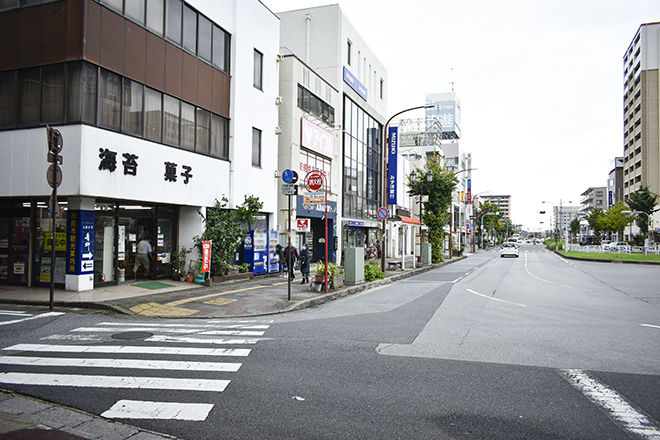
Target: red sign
(314, 180)
(302, 225)
(206, 257)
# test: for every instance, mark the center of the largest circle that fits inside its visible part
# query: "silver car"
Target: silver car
(509, 248)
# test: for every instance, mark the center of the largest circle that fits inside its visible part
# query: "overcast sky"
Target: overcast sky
(540, 84)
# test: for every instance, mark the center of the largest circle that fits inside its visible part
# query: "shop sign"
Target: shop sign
(80, 240)
(303, 225)
(60, 241)
(206, 257)
(313, 198)
(317, 139)
(392, 162)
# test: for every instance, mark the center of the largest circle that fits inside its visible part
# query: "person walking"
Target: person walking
(280, 257)
(144, 254)
(290, 256)
(304, 264)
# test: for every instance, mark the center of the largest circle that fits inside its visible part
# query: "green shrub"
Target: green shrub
(372, 272)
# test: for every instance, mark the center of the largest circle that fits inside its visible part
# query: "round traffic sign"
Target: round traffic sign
(287, 175)
(382, 213)
(54, 175)
(314, 180)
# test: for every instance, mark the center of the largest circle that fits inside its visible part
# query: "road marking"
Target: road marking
(76, 380)
(650, 325)
(495, 299)
(120, 363)
(615, 405)
(171, 330)
(43, 315)
(534, 276)
(183, 339)
(14, 313)
(136, 409)
(127, 349)
(223, 326)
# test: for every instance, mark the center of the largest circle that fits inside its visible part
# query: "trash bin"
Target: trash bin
(121, 275)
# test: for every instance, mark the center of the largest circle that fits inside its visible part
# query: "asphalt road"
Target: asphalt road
(535, 347)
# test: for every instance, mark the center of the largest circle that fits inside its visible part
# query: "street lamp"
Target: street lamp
(413, 178)
(385, 176)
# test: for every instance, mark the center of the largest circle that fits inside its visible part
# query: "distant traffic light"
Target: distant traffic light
(541, 212)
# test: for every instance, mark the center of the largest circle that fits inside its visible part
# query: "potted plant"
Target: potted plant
(178, 263)
(335, 274)
(245, 267)
(192, 269)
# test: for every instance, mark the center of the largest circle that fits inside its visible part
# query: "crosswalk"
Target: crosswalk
(156, 354)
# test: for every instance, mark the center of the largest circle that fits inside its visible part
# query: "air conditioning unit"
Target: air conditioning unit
(279, 100)
(278, 129)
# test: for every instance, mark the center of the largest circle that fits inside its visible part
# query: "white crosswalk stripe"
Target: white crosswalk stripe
(46, 368)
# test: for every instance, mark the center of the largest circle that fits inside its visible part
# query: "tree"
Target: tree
(439, 189)
(224, 228)
(595, 219)
(643, 200)
(575, 227)
(614, 220)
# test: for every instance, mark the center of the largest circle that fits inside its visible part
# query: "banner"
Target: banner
(392, 162)
(206, 257)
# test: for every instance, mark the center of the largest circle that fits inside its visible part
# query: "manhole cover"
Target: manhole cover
(132, 335)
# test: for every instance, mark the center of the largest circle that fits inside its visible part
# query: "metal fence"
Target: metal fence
(648, 250)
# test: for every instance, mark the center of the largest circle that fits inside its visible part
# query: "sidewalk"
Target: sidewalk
(261, 295)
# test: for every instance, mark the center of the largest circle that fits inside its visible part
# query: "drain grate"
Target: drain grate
(132, 335)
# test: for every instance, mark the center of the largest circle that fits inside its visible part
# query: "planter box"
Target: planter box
(238, 276)
(337, 281)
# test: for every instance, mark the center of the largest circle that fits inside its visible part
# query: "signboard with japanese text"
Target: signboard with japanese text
(317, 139)
(206, 257)
(60, 241)
(303, 225)
(313, 198)
(392, 162)
(80, 242)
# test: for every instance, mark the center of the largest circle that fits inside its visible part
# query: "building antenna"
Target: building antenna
(451, 79)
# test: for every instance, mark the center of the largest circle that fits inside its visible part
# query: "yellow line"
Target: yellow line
(213, 295)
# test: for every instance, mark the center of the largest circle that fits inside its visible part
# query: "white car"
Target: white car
(509, 248)
(618, 246)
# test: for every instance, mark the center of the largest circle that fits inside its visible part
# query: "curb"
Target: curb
(597, 260)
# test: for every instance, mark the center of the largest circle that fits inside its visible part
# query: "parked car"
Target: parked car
(509, 248)
(605, 244)
(618, 246)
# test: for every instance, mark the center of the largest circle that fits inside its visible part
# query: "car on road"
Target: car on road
(509, 248)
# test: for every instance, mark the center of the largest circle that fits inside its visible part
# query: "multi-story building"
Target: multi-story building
(309, 142)
(594, 198)
(162, 109)
(615, 183)
(327, 42)
(562, 216)
(641, 113)
(502, 202)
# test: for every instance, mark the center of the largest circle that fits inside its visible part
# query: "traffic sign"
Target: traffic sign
(314, 180)
(382, 213)
(289, 189)
(54, 175)
(289, 176)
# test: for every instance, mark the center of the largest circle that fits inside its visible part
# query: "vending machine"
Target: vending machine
(273, 258)
(256, 251)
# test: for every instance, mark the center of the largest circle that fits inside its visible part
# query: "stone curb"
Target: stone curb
(597, 260)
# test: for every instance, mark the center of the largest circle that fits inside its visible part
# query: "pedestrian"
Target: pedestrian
(304, 264)
(280, 258)
(290, 256)
(144, 254)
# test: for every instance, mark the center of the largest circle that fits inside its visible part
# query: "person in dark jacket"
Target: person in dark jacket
(291, 250)
(304, 264)
(280, 257)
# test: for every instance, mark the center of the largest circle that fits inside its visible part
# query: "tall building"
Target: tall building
(324, 39)
(502, 202)
(615, 183)
(594, 198)
(641, 89)
(162, 110)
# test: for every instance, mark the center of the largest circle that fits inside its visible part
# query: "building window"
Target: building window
(221, 49)
(109, 100)
(133, 94)
(189, 29)
(204, 39)
(82, 93)
(382, 88)
(313, 105)
(171, 117)
(187, 127)
(29, 97)
(153, 115)
(173, 20)
(7, 99)
(256, 147)
(203, 132)
(349, 48)
(134, 9)
(219, 137)
(258, 70)
(52, 94)
(155, 16)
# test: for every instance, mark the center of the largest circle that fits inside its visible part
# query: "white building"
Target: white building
(162, 111)
(324, 39)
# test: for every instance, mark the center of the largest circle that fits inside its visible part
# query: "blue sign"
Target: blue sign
(287, 176)
(353, 82)
(392, 162)
(80, 242)
(357, 224)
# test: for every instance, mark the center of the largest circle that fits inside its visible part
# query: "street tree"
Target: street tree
(575, 227)
(614, 220)
(643, 200)
(226, 229)
(595, 219)
(439, 190)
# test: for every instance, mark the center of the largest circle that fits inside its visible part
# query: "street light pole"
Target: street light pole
(385, 175)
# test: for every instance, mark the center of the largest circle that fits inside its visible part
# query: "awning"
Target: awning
(409, 220)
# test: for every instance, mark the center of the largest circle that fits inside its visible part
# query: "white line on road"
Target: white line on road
(170, 330)
(619, 409)
(43, 315)
(225, 326)
(136, 409)
(75, 380)
(495, 299)
(534, 276)
(187, 340)
(120, 363)
(650, 325)
(14, 313)
(127, 349)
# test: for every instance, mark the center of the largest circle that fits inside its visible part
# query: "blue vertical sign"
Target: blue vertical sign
(80, 242)
(392, 162)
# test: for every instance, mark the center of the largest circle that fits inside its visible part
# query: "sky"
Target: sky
(540, 84)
